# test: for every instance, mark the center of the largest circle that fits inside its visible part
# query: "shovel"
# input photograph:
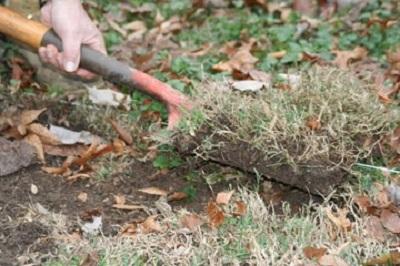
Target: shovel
(36, 35)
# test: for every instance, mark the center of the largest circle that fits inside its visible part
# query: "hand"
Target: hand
(73, 25)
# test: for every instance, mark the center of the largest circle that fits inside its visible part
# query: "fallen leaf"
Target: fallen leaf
(343, 58)
(340, 218)
(69, 137)
(83, 196)
(314, 253)
(55, 170)
(192, 221)
(215, 216)
(391, 221)
(28, 116)
(128, 207)
(122, 132)
(224, 197)
(119, 199)
(177, 196)
(313, 123)
(109, 97)
(248, 85)
(374, 228)
(44, 133)
(76, 177)
(240, 209)
(278, 54)
(154, 191)
(150, 225)
(331, 260)
(34, 189)
(35, 141)
(389, 259)
(64, 150)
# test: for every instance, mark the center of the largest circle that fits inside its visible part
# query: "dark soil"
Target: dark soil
(317, 177)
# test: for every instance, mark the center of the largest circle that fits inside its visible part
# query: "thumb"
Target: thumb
(71, 53)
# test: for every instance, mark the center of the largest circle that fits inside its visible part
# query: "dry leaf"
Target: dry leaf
(192, 221)
(109, 98)
(128, 207)
(314, 253)
(44, 133)
(177, 196)
(150, 225)
(374, 228)
(331, 260)
(389, 259)
(224, 197)
(27, 117)
(118, 146)
(122, 132)
(215, 216)
(248, 85)
(240, 209)
(313, 123)
(154, 191)
(64, 150)
(119, 199)
(35, 141)
(391, 221)
(55, 170)
(69, 137)
(340, 218)
(343, 58)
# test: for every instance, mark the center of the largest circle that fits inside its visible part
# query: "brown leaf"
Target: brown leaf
(278, 54)
(154, 191)
(44, 133)
(389, 259)
(128, 207)
(119, 199)
(340, 218)
(35, 141)
(177, 196)
(374, 228)
(224, 197)
(390, 221)
(64, 150)
(28, 116)
(215, 216)
(343, 58)
(331, 260)
(150, 225)
(303, 6)
(314, 253)
(55, 170)
(122, 132)
(118, 146)
(240, 209)
(313, 123)
(242, 60)
(192, 221)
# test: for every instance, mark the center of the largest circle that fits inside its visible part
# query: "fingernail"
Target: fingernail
(70, 67)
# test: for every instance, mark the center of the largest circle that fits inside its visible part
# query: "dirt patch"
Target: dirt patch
(315, 177)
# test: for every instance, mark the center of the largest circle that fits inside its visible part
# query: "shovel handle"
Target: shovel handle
(24, 30)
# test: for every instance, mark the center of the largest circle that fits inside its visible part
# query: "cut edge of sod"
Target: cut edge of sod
(308, 136)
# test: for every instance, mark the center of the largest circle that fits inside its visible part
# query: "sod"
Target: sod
(308, 136)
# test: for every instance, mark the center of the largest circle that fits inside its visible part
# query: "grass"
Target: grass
(261, 237)
(275, 121)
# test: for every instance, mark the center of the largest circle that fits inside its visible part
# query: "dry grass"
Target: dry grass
(275, 121)
(261, 237)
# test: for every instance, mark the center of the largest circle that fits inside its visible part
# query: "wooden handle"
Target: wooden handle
(21, 29)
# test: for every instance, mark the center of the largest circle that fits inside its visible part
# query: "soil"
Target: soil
(316, 177)
(20, 235)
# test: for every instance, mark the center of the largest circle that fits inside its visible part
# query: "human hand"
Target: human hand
(73, 25)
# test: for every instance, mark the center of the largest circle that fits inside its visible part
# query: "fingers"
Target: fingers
(83, 73)
(71, 52)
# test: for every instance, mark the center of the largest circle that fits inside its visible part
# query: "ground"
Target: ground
(203, 210)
